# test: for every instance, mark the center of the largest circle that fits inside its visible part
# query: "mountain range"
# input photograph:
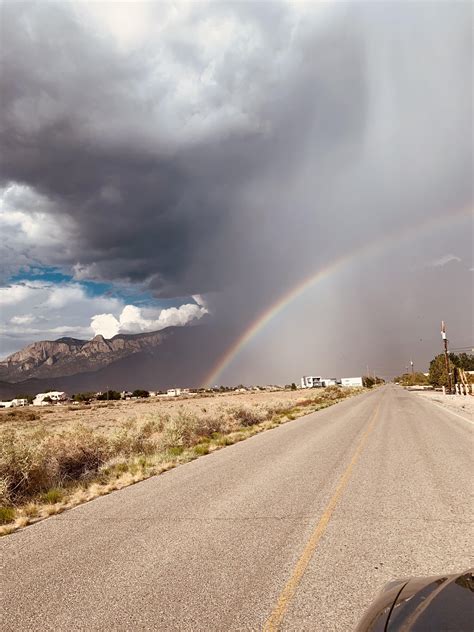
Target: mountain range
(175, 356)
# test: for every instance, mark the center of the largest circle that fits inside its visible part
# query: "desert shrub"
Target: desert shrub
(149, 427)
(135, 438)
(122, 467)
(21, 467)
(132, 441)
(334, 392)
(180, 430)
(208, 425)
(247, 416)
(52, 496)
(29, 466)
(7, 514)
(21, 414)
(4, 491)
(161, 421)
(201, 449)
(308, 402)
(31, 510)
(175, 451)
(76, 452)
(185, 429)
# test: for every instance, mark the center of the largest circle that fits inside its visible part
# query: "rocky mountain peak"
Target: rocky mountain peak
(67, 356)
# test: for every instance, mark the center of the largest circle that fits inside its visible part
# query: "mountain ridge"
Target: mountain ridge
(70, 356)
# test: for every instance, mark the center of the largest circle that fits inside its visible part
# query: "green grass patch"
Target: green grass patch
(176, 450)
(7, 514)
(201, 449)
(53, 496)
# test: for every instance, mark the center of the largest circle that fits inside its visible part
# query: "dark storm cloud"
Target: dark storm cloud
(82, 124)
(233, 148)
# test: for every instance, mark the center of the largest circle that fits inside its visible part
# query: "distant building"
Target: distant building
(52, 397)
(174, 392)
(351, 381)
(19, 401)
(311, 381)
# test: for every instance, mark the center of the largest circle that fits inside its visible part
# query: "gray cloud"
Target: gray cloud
(232, 148)
(103, 133)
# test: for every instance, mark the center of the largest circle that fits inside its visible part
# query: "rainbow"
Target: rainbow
(362, 252)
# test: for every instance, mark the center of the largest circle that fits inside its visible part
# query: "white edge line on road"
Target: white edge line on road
(448, 410)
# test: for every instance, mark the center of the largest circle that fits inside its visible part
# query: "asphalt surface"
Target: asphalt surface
(331, 505)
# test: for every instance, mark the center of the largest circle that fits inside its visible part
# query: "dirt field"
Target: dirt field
(107, 416)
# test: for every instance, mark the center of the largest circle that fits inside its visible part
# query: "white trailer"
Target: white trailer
(351, 381)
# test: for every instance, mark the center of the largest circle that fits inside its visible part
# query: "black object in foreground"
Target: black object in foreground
(421, 604)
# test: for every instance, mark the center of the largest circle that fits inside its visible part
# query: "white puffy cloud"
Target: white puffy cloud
(105, 324)
(42, 310)
(31, 232)
(134, 320)
(34, 310)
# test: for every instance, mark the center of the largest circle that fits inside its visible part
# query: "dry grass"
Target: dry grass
(58, 462)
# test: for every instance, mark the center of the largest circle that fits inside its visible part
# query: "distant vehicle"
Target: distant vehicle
(423, 604)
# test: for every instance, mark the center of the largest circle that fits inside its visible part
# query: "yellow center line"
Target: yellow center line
(274, 620)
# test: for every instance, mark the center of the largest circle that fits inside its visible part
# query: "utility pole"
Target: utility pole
(412, 367)
(446, 357)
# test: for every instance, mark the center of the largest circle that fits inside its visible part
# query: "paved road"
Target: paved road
(330, 506)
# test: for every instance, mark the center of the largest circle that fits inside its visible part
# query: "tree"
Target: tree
(138, 392)
(437, 374)
(109, 395)
(412, 379)
(293, 386)
(464, 361)
(83, 397)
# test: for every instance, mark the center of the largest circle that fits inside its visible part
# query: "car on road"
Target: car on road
(421, 604)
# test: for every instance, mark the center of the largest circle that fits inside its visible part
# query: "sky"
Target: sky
(193, 163)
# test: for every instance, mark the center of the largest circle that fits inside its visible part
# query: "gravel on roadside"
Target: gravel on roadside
(462, 404)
